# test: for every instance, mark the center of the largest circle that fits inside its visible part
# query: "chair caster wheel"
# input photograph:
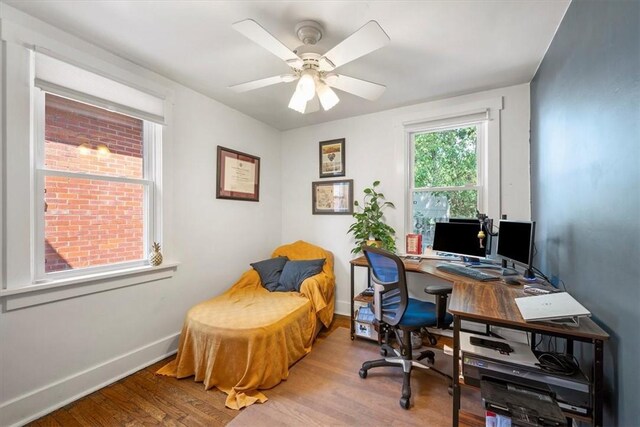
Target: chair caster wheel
(383, 352)
(362, 373)
(404, 402)
(450, 390)
(433, 340)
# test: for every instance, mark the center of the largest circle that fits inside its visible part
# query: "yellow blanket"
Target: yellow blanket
(246, 338)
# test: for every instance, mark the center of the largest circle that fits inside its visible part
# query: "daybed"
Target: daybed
(247, 338)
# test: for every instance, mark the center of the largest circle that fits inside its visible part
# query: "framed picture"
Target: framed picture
(332, 197)
(238, 175)
(414, 244)
(332, 161)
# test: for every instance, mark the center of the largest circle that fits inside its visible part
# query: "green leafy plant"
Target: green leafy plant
(370, 223)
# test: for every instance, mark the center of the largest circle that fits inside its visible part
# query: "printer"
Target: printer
(519, 367)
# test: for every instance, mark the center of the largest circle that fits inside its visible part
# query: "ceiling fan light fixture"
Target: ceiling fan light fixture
(328, 97)
(298, 102)
(307, 85)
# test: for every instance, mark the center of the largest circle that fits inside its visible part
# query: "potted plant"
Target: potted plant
(370, 228)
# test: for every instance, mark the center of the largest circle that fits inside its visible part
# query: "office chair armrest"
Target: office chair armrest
(441, 292)
(442, 289)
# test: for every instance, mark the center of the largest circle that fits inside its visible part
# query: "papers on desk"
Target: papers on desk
(412, 259)
(556, 307)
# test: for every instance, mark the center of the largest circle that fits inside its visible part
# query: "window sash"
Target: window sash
(480, 155)
(439, 126)
(151, 135)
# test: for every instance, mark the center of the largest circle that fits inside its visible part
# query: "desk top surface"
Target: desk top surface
(493, 301)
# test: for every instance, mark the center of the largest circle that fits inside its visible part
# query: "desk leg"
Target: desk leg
(456, 369)
(598, 386)
(353, 326)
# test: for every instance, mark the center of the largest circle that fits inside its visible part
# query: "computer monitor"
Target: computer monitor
(464, 220)
(460, 238)
(515, 243)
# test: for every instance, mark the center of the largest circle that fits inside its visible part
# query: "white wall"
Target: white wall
(54, 352)
(376, 150)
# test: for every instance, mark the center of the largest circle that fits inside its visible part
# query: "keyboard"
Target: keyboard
(471, 273)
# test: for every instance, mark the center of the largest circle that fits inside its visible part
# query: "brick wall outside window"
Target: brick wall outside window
(92, 222)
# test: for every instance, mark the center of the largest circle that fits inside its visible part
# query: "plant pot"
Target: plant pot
(374, 243)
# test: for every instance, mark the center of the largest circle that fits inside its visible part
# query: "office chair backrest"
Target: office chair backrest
(390, 297)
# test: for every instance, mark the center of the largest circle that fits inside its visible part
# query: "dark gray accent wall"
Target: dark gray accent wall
(585, 180)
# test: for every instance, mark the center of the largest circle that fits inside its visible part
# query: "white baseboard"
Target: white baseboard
(343, 308)
(35, 404)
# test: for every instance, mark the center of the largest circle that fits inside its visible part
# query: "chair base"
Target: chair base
(407, 363)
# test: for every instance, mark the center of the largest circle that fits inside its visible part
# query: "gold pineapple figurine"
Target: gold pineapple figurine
(155, 257)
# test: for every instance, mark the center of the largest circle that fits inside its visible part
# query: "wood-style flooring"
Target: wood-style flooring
(144, 398)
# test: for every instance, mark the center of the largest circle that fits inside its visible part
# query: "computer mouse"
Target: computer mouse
(512, 282)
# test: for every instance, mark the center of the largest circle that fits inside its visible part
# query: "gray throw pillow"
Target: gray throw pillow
(269, 271)
(294, 273)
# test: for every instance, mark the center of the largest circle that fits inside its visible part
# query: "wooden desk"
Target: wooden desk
(493, 304)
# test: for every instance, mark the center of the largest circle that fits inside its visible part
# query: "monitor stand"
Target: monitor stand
(477, 263)
(509, 271)
(529, 275)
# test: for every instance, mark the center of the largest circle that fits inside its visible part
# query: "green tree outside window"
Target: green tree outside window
(444, 158)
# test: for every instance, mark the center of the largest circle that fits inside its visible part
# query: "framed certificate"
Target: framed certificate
(332, 197)
(332, 158)
(238, 175)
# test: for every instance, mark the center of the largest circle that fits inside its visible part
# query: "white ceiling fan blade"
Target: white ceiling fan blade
(361, 88)
(257, 84)
(254, 31)
(367, 39)
(313, 105)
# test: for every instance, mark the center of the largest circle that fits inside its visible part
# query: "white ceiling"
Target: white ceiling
(437, 48)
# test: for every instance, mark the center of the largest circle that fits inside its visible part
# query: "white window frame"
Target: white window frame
(152, 142)
(152, 139)
(448, 115)
(481, 151)
(107, 81)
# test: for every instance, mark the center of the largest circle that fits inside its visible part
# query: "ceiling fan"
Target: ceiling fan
(315, 72)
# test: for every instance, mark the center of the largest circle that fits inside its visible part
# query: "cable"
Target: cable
(537, 270)
(563, 285)
(558, 363)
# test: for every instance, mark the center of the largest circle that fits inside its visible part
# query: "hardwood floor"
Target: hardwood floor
(147, 399)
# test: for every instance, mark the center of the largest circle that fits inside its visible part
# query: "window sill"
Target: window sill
(55, 290)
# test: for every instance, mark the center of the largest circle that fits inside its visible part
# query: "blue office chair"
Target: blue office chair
(395, 311)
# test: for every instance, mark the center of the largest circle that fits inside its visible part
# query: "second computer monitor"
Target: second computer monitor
(515, 241)
(460, 238)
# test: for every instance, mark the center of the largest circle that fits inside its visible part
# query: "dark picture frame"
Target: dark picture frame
(332, 197)
(332, 161)
(237, 175)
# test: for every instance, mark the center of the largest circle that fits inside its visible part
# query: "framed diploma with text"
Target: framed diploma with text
(332, 197)
(238, 175)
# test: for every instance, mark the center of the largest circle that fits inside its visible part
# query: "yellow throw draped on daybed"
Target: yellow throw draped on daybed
(247, 338)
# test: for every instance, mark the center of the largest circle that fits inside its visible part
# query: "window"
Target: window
(95, 169)
(446, 178)
(96, 172)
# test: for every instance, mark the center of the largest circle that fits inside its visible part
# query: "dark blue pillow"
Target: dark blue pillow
(270, 270)
(294, 273)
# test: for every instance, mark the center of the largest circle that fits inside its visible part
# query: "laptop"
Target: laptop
(550, 307)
